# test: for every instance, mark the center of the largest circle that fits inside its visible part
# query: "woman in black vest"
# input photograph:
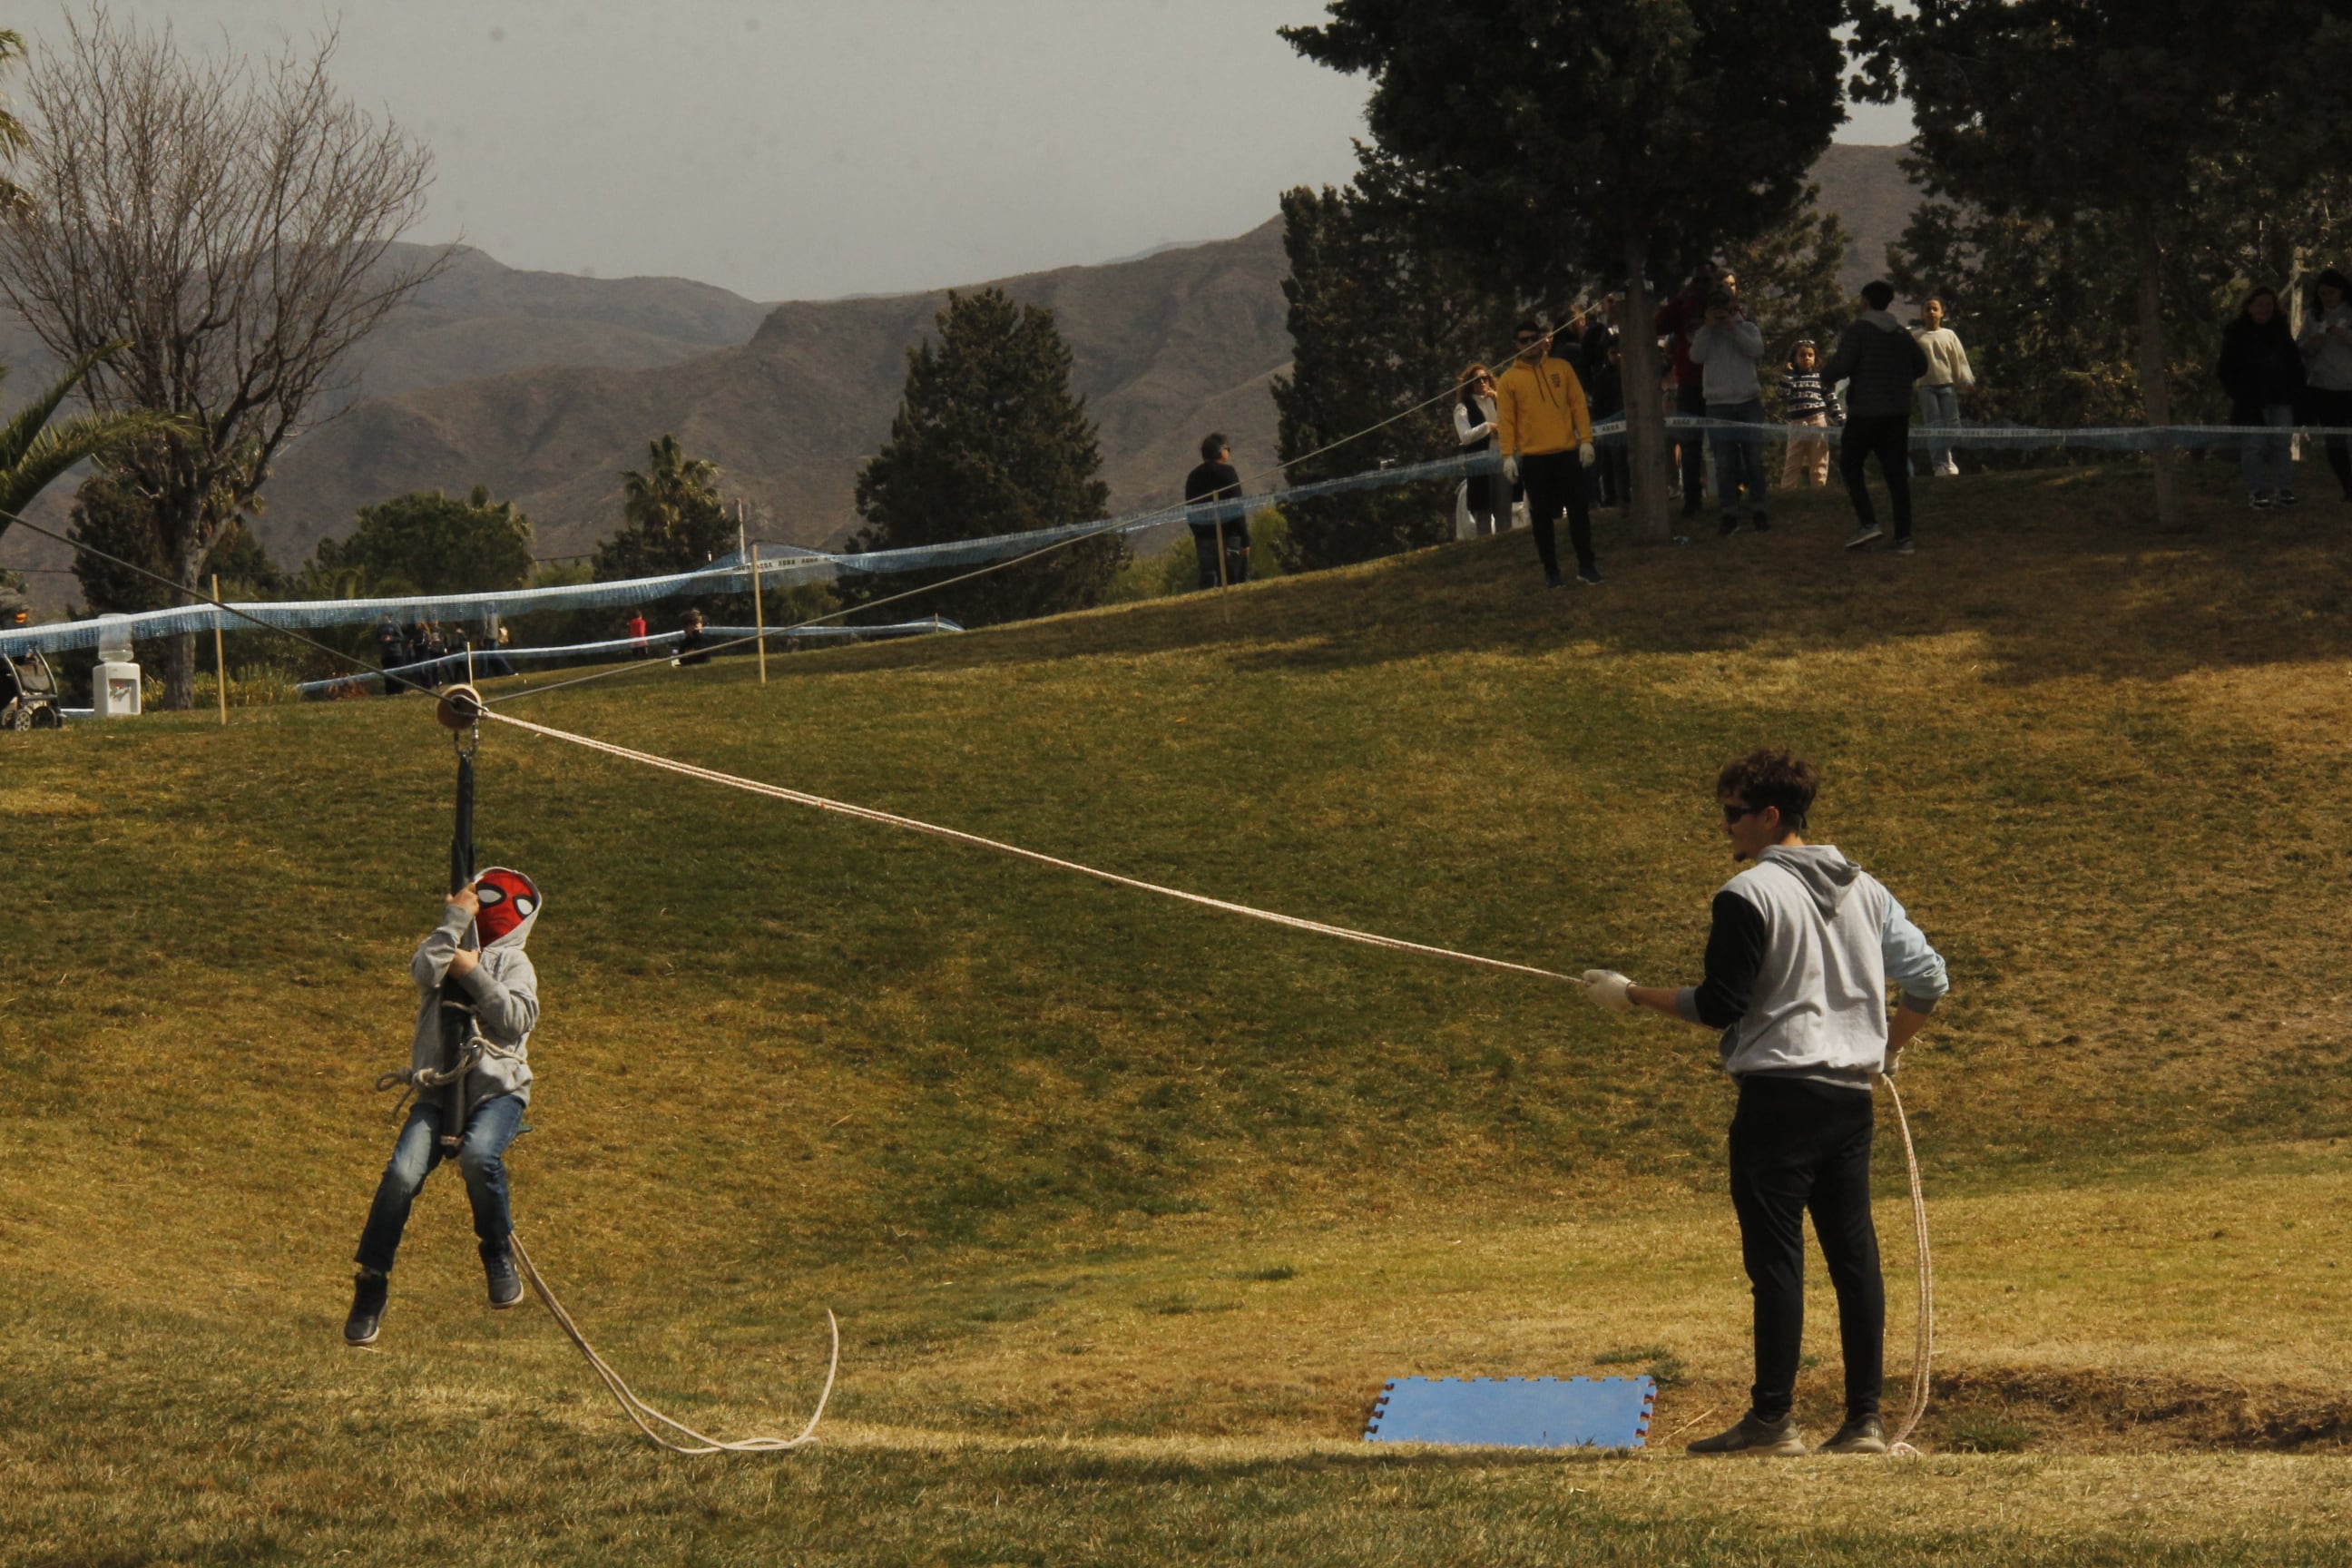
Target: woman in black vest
(1474, 428)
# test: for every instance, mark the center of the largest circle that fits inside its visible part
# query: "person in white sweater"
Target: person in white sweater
(1474, 433)
(2326, 344)
(1948, 376)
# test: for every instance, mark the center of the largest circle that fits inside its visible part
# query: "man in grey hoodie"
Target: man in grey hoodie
(1803, 946)
(1726, 350)
(1879, 360)
(475, 956)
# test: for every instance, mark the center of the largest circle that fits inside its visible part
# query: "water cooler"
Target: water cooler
(114, 684)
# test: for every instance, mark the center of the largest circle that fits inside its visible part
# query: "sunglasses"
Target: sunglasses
(1733, 811)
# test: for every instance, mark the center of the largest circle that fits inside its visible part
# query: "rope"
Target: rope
(644, 1414)
(1924, 1355)
(888, 819)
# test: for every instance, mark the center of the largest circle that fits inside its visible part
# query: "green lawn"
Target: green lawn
(1127, 1207)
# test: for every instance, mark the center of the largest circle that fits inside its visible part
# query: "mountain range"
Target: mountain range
(543, 386)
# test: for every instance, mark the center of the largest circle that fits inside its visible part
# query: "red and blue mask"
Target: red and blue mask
(509, 903)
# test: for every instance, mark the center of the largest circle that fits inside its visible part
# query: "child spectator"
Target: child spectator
(1810, 408)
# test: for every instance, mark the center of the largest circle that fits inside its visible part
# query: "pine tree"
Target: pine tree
(989, 439)
(1381, 322)
(1618, 136)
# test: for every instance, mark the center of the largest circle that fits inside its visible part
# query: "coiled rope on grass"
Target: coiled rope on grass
(644, 1414)
(1926, 1327)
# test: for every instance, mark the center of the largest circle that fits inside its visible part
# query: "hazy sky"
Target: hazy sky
(804, 150)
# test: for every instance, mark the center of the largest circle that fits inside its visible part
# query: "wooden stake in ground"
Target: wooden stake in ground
(759, 616)
(220, 664)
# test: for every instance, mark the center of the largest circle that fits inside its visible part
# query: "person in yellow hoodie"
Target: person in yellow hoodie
(1545, 434)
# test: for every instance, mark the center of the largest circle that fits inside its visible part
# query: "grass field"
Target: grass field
(1128, 1208)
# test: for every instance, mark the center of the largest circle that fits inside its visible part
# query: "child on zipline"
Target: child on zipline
(478, 948)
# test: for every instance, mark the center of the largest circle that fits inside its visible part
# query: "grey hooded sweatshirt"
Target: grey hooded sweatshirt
(504, 991)
(1803, 945)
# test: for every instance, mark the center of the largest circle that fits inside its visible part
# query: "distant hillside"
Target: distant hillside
(1165, 347)
(1867, 189)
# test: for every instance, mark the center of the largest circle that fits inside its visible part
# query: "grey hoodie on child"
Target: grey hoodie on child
(503, 990)
(1803, 945)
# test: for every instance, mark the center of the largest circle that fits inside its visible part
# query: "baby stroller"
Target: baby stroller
(28, 692)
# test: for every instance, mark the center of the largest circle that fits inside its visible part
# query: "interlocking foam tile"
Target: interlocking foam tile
(1514, 1411)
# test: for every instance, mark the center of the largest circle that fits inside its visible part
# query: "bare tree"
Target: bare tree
(227, 221)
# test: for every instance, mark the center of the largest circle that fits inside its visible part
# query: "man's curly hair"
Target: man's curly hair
(1771, 776)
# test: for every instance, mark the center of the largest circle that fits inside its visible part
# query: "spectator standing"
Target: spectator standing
(1726, 350)
(1547, 436)
(1474, 433)
(637, 648)
(1939, 390)
(1878, 359)
(1606, 400)
(1213, 498)
(423, 647)
(390, 650)
(1678, 318)
(1809, 408)
(2326, 344)
(690, 649)
(2262, 370)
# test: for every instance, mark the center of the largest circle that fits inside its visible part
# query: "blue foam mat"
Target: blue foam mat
(1514, 1411)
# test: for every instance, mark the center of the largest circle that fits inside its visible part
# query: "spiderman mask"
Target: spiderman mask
(508, 899)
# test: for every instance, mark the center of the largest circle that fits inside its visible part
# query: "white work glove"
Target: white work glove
(1607, 990)
(1585, 455)
(1511, 470)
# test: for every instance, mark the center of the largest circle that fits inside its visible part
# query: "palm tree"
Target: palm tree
(14, 138)
(672, 489)
(33, 451)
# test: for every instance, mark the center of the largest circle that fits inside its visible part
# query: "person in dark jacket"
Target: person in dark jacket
(2262, 370)
(1212, 497)
(1612, 474)
(390, 651)
(691, 642)
(1878, 358)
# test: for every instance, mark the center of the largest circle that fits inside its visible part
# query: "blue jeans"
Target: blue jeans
(1738, 455)
(1940, 405)
(489, 1128)
(2272, 452)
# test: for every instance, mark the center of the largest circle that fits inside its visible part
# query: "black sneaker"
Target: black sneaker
(1589, 575)
(1760, 524)
(1551, 580)
(368, 1293)
(2285, 498)
(1729, 526)
(506, 1285)
(2260, 501)
(1901, 546)
(1863, 535)
(1780, 1439)
(1863, 1437)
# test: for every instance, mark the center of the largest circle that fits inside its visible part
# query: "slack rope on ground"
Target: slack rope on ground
(1926, 1312)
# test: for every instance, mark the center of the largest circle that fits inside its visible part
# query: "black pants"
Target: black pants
(1799, 1147)
(1204, 553)
(1691, 399)
(1613, 475)
(1889, 436)
(1555, 482)
(2326, 405)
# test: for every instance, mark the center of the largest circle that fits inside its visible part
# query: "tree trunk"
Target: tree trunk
(1650, 511)
(188, 555)
(2155, 374)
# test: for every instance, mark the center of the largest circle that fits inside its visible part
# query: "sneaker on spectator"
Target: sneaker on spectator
(2259, 500)
(1901, 546)
(1730, 524)
(1780, 1439)
(1760, 524)
(2285, 498)
(1589, 575)
(1863, 1437)
(1551, 580)
(1863, 535)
